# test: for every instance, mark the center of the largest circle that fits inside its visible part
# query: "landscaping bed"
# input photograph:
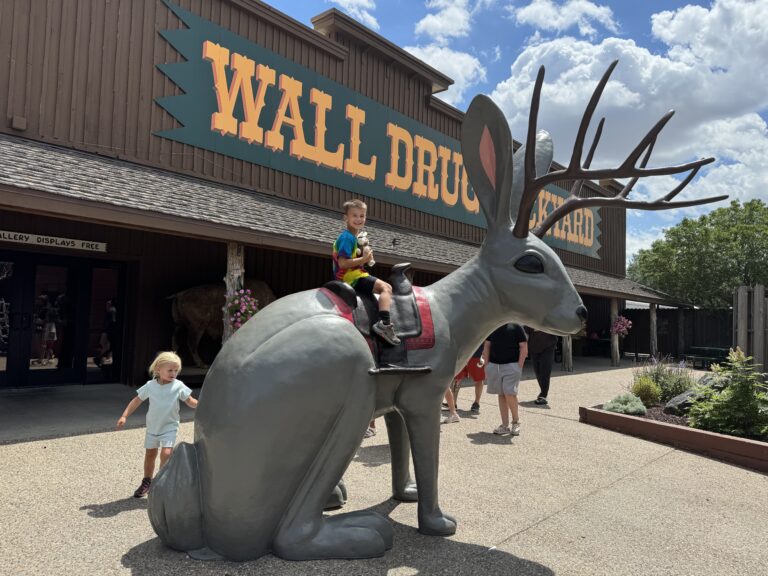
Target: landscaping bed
(671, 430)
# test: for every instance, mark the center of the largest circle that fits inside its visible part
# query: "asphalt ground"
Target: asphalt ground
(562, 498)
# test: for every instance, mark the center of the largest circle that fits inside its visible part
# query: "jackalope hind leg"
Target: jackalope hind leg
(403, 487)
(421, 410)
(304, 533)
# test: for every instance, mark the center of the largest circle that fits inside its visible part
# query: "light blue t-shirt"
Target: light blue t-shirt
(163, 413)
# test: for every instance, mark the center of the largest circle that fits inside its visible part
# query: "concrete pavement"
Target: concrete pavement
(562, 498)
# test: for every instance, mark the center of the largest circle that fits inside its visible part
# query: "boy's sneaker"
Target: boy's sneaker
(475, 409)
(370, 432)
(515, 429)
(143, 488)
(450, 419)
(540, 400)
(386, 332)
(501, 430)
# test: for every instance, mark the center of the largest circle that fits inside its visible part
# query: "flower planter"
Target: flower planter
(748, 453)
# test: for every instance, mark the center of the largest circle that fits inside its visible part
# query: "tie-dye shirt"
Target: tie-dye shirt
(346, 247)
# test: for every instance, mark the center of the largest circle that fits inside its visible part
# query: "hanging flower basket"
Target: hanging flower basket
(621, 326)
(241, 305)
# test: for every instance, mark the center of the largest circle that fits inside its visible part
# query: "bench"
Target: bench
(706, 356)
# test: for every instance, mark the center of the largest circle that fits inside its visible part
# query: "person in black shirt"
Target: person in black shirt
(504, 355)
(541, 349)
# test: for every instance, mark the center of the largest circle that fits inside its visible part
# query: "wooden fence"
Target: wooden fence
(678, 330)
(750, 322)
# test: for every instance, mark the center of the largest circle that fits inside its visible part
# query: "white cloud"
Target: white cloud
(359, 10)
(548, 15)
(463, 68)
(641, 237)
(452, 20)
(714, 72)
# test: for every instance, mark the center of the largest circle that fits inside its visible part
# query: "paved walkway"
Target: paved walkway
(564, 498)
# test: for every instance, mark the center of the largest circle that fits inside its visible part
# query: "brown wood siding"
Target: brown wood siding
(159, 265)
(82, 73)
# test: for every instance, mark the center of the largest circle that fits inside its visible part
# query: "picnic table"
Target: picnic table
(706, 355)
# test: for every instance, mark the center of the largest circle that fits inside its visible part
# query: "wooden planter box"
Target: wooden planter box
(748, 453)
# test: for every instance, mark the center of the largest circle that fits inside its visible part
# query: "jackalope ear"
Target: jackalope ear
(544, 153)
(486, 145)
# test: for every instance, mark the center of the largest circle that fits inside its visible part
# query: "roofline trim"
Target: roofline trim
(294, 27)
(335, 20)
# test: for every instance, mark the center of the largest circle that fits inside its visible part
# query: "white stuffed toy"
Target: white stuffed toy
(363, 243)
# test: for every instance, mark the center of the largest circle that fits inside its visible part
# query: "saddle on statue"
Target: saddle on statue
(406, 314)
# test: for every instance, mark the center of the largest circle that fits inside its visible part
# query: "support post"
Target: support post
(758, 326)
(233, 281)
(680, 334)
(654, 332)
(568, 353)
(741, 316)
(615, 356)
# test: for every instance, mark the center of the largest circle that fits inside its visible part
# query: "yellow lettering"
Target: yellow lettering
(557, 201)
(472, 205)
(451, 198)
(589, 227)
(445, 195)
(578, 224)
(430, 188)
(399, 136)
(570, 235)
(352, 165)
(318, 153)
(273, 139)
(249, 130)
(223, 121)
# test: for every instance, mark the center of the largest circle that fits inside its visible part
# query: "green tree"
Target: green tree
(701, 261)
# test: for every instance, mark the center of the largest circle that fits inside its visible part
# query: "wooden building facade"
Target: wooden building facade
(122, 188)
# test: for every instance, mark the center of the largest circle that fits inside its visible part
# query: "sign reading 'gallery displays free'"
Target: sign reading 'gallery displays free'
(247, 102)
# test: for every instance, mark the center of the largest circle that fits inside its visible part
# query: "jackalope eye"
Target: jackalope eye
(530, 264)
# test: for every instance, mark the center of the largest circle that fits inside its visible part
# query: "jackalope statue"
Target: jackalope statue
(254, 483)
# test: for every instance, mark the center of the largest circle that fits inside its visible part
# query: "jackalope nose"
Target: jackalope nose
(581, 312)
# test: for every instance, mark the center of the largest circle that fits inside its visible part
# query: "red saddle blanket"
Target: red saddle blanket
(423, 341)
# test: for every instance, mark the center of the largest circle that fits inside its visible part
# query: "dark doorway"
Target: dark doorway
(60, 320)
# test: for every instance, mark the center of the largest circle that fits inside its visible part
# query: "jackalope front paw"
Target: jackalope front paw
(407, 493)
(437, 524)
(346, 536)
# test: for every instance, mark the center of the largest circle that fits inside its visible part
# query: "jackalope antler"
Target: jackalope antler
(575, 171)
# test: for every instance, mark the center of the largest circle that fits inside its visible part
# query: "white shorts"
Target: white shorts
(503, 378)
(164, 440)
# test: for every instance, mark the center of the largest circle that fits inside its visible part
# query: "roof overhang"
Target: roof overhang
(43, 179)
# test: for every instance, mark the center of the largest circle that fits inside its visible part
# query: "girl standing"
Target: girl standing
(164, 392)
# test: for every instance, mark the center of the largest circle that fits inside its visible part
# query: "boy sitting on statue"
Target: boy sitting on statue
(349, 266)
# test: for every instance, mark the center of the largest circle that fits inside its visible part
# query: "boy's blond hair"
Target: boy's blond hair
(354, 204)
(164, 358)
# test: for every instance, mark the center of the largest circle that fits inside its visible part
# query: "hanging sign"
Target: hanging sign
(52, 241)
(244, 101)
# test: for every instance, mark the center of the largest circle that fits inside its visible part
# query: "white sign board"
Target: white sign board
(52, 241)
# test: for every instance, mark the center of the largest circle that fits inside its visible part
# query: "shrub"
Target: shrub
(740, 408)
(647, 390)
(672, 379)
(626, 403)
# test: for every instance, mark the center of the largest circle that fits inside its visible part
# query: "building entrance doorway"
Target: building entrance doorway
(60, 320)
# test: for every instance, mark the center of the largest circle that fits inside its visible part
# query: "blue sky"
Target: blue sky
(706, 60)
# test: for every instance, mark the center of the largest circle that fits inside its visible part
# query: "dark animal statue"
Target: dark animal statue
(252, 483)
(197, 312)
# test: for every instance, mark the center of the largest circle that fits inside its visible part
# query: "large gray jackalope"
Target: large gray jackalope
(287, 401)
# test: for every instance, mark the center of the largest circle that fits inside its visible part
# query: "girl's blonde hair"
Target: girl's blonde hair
(164, 358)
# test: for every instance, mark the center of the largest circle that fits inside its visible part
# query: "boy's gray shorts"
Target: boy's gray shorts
(503, 378)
